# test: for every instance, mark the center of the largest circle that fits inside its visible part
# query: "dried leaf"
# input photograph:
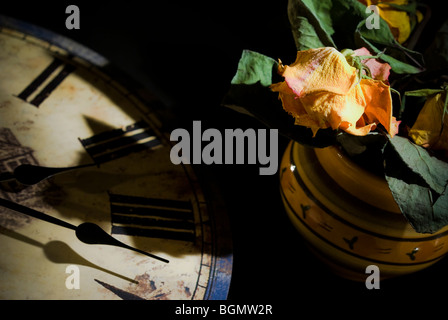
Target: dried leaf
(341, 24)
(418, 183)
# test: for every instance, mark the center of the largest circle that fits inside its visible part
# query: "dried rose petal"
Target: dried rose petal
(378, 70)
(316, 70)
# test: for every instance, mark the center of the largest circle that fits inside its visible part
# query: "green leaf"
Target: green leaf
(321, 11)
(371, 39)
(311, 23)
(305, 35)
(423, 92)
(341, 24)
(418, 183)
(418, 206)
(254, 67)
(431, 169)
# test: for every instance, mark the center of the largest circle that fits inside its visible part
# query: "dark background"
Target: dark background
(187, 53)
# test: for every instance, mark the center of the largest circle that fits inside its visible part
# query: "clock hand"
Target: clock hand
(28, 174)
(119, 292)
(6, 176)
(34, 213)
(91, 233)
(86, 232)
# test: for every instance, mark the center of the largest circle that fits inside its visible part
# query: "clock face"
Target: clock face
(59, 110)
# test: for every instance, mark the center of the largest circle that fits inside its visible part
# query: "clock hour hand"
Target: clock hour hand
(86, 232)
(28, 174)
(119, 292)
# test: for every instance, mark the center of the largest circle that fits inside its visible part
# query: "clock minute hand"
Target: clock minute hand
(28, 174)
(91, 233)
(86, 232)
(34, 213)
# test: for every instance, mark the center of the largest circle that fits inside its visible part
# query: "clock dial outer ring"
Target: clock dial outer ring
(221, 267)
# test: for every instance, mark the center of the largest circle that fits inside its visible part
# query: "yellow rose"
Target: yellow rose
(429, 130)
(398, 20)
(322, 90)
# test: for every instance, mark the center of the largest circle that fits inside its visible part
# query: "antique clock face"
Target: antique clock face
(58, 109)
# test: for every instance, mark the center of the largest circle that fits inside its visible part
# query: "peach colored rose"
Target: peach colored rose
(322, 90)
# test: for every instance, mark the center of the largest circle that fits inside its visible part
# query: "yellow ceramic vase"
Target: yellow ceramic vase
(349, 217)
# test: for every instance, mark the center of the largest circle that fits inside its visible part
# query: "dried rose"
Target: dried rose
(322, 90)
(398, 19)
(430, 130)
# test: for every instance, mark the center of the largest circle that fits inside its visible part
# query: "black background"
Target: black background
(187, 53)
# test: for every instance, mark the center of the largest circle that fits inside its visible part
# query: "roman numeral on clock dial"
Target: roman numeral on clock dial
(31, 94)
(117, 143)
(152, 217)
